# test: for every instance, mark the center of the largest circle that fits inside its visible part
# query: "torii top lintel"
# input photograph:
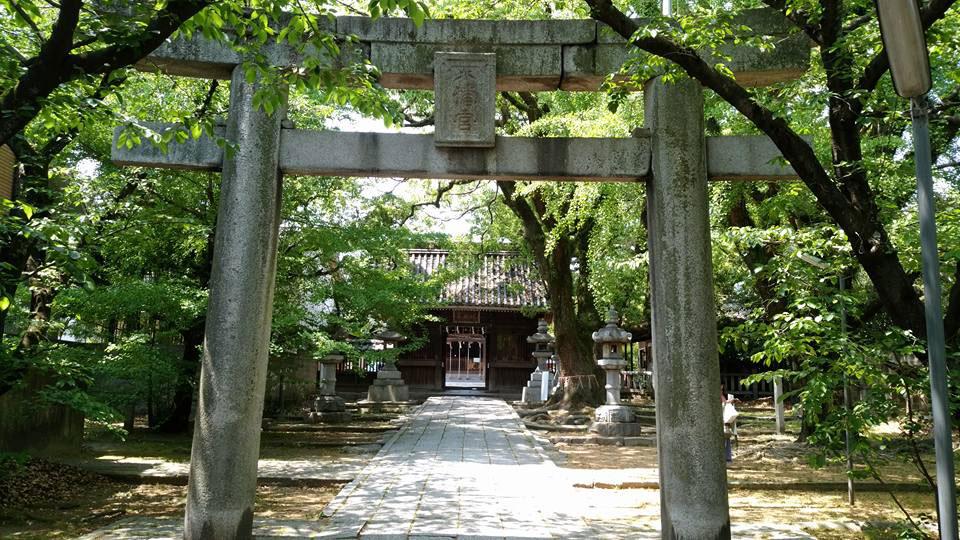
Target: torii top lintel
(535, 55)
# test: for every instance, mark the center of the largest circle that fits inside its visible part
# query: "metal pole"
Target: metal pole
(846, 398)
(946, 490)
(778, 406)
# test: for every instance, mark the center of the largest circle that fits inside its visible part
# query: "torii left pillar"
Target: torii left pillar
(226, 438)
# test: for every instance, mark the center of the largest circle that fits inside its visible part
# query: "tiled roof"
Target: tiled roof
(502, 281)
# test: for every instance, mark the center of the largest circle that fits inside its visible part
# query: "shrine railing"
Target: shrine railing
(732, 382)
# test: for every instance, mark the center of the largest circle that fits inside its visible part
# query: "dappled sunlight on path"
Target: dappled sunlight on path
(467, 467)
(460, 467)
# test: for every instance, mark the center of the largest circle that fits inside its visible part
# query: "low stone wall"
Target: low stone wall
(40, 429)
(292, 383)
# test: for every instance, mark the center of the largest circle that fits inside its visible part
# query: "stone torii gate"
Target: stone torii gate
(466, 62)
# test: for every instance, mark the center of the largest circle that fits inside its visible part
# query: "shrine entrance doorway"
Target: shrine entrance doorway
(466, 358)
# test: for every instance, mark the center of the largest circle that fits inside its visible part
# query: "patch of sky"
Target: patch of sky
(446, 218)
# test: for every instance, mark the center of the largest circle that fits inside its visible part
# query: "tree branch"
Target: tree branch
(858, 22)
(155, 33)
(869, 240)
(951, 123)
(410, 121)
(831, 21)
(799, 18)
(531, 229)
(54, 65)
(27, 19)
(21, 101)
(951, 321)
(526, 103)
(204, 107)
(14, 52)
(441, 191)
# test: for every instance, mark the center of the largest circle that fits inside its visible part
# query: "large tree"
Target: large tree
(577, 235)
(73, 42)
(851, 63)
(65, 63)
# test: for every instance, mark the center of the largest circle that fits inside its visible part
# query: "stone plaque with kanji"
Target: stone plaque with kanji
(465, 98)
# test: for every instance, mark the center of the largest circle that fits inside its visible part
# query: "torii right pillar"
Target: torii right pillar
(693, 475)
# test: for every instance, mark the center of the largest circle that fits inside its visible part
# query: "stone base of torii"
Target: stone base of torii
(672, 155)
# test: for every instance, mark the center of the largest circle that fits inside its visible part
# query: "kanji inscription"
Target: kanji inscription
(465, 94)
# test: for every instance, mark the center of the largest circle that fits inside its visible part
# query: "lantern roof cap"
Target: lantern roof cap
(542, 335)
(390, 335)
(611, 333)
(333, 356)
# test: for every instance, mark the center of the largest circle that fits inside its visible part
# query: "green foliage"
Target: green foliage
(343, 272)
(134, 371)
(613, 267)
(706, 29)
(71, 371)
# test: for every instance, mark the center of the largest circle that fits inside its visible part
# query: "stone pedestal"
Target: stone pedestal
(615, 421)
(388, 386)
(532, 392)
(328, 407)
(542, 343)
(546, 385)
(329, 410)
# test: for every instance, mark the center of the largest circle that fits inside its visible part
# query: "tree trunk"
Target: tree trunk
(129, 420)
(580, 378)
(151, 405)
(179, 419)
(58, 62)
(579, 375)
(851, 204)
(41, 298)
(18, 250)
(574, 346)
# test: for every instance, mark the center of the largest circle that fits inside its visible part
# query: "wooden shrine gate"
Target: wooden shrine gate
(466, 62)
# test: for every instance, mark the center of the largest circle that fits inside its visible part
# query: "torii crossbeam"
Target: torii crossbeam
(466, 62)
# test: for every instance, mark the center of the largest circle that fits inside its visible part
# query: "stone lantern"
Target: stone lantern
(550, 379)
(613, 419)
(542, 351)
(328, 406)
(389, 385)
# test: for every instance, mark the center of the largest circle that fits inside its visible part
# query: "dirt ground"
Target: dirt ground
(41, 499)
(778, 482)
(280, 440)
(104, 502)
(759, 459)
(291, 446)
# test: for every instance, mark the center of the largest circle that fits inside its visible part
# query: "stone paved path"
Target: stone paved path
(466, 467)
(462, 467)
